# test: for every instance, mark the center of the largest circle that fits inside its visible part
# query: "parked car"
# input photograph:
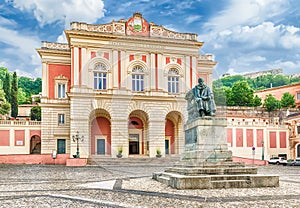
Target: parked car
(294, 162)
(277, 161)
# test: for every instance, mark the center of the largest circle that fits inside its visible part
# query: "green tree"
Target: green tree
(256, 101)
(30, 86)
(287, 100)
(229, 81)
(294, 80)
(270, 103)
(7, 86)
(220, 96)
(22, 99)
(3, 71)
(280, 80)
(242, 94)
(14, 96)
(4, 105)
(35, 113)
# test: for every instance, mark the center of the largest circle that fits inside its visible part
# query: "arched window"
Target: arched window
(137, 79)
(100, 76)
(173, 81)
(298, 151)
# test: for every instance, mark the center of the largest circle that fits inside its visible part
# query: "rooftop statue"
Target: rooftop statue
(200, 100)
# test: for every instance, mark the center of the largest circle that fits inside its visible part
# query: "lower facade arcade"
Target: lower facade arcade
(136, 140)
(108, 124)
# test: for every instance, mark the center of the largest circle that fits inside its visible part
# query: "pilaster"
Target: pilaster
(76, 66)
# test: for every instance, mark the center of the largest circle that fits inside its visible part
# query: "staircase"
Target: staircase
(134, 160)
(214, 175)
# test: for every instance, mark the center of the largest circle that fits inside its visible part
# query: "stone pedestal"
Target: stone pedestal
(207, 162)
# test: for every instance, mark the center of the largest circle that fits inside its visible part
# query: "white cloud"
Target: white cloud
(192, 18)
(246, 12)
(19, 44)
(50, 11)
(4, 64)
(7, 22)
(62, 38)
(287, 65)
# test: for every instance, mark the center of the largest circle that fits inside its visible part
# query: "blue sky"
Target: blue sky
(243, 35)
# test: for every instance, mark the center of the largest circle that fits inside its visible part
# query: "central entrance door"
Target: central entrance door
(167, 146)
(100, 146)
(134, 144)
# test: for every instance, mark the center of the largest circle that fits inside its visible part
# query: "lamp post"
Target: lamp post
(262, 151)
(77, 138)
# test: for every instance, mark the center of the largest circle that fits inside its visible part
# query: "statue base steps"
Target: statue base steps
(207, 162)
(180, 181)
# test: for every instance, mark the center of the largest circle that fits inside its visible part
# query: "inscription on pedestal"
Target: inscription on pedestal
(191, 136)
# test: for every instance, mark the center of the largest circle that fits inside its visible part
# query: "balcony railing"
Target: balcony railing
(19, 123)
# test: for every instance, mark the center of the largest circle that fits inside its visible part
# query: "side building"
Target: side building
(120, 85)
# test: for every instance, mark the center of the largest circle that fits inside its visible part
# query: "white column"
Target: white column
(76, 66)
(114, 78)
(152, 71)
(194, 68)
(233, 137)
(187, 72)
(84, 69)
(124, 65)
(45, 79)
(160, 72)
(156, 136)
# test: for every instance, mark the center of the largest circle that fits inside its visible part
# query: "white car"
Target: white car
(277, 161)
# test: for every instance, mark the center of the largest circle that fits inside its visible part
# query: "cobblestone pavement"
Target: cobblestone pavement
(60, 186)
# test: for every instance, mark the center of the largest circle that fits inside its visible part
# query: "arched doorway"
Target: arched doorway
(35, 144)
(100, 133)
(137, 125)
(172, 131)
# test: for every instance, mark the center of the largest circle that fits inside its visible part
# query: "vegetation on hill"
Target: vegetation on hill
(15, 91)
(239, 91)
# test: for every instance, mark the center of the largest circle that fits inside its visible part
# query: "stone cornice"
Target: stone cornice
(53, 52)
(120, 38)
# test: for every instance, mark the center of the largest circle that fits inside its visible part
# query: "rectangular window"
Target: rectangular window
(298, 95)
(61, 91)
(137, 83)
(61, 146)
(61, 119)
(272, 139)
(239, 138)
(249, 134)
(4, 138)
(259, 137)
(99, 81)
(282, 137)
(173, 84)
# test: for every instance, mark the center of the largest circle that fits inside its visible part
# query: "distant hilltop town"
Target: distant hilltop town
(259, 73)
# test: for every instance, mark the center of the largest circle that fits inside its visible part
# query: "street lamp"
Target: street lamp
(262, 151)
(77, 138)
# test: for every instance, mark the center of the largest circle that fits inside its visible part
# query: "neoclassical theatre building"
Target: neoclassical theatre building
(119, 85)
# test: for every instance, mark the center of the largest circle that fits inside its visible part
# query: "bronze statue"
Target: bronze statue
(203, 97)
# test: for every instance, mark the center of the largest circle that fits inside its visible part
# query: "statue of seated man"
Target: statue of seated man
(203, 97)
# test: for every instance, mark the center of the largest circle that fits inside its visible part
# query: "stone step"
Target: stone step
(231, 184)
(143, 160)
(212, 171)
(229, 177)
(180, 181)
(223, 164)
(164, 180)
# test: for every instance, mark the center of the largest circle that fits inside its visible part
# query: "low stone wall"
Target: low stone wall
(45, 159)
(76, 162)
(249, 161)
